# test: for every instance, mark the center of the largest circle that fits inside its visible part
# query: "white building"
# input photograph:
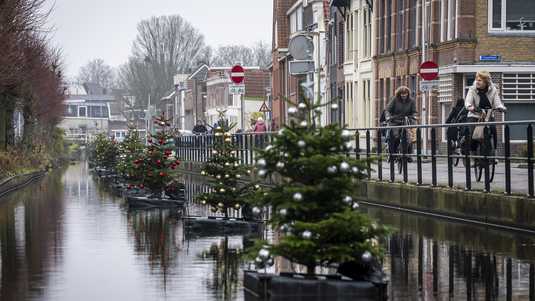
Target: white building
(358, 66)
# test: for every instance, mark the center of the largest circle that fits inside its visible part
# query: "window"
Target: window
(412, 86)
(367, 38)
(296, 20)
(71, 111)
(518, 87)
(412, 21)
(97, 111)
(82, 111)
(511, 15)
(382, 28)
(400, 24)
(388, 25)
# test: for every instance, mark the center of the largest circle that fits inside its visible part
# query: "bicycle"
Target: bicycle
(487, 148)
(398, 157)
(456, 145)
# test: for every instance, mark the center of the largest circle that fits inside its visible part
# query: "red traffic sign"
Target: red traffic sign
(429, 70)
(237, 74)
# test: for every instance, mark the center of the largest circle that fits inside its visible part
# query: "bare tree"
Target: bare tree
(258, 55)
(164, 46)
(98, 72)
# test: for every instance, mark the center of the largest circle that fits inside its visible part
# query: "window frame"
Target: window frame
(85, 111)
(503, 19)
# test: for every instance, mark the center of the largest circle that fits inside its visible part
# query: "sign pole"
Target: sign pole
(424, 94)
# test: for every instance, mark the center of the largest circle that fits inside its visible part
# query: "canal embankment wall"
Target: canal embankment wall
(13, 183)
(498, 209)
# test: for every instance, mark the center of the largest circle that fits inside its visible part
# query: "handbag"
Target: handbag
(479, 130)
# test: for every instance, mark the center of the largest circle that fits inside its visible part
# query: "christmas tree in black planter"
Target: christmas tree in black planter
(158, 161)
(130, 150)
(225, 171)
(106, 152)
(312, 202)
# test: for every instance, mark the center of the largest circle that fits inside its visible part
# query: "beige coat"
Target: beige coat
(472, 99)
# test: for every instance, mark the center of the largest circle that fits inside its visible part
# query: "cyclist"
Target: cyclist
(457, 115)
(399, 107)
(482, 96)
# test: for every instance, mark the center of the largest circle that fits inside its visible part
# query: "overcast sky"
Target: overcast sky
(87, 29)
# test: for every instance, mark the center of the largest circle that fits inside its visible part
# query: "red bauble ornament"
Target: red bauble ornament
(177, 162)
(141, 186)
(162, 174)
(150, 140)
(162, 141)
(158, 162)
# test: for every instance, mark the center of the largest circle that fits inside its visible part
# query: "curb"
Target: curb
(16, 182)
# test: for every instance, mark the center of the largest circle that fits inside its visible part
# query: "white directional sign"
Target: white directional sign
(237, 89)
(428, 85)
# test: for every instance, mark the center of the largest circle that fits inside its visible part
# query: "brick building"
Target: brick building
(462, 36)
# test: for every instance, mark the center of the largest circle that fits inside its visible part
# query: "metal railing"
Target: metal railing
(492, 172)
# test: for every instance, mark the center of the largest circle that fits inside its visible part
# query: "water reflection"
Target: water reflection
(67, 238)
(31, 238)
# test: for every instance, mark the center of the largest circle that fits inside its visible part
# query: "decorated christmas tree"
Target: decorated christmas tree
(158, 161)
(105, 152)
(130, 150)
(312, 202)
(224, 171)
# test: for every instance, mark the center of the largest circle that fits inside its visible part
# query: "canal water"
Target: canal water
(67, 238)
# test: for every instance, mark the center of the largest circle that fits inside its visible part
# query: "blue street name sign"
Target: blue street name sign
(489, 58)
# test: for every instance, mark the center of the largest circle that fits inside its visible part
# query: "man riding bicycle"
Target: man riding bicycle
(401, 110)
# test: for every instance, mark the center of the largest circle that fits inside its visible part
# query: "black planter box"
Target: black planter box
(205, 227)
(271, 287)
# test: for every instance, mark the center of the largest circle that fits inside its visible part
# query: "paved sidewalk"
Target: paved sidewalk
(519, 176)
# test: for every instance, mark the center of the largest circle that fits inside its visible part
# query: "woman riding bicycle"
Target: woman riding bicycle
(482, 99)
(399, 107)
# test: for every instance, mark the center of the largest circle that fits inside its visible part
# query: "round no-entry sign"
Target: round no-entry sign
(237, 74)
(429, 70)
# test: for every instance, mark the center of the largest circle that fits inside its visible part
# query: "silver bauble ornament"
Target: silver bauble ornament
(346, 134)
(298, 196)
(262, 173)
(220, 205)
(238, 176)
(280, 165)
(218, 177)
(284, 228)
(283, 212)
(348, 145)
(268, 148)
(344, 167)
(354, 169)
(303, 124)
(334, 106)
(256, 211)
(306, 234)
(367, 256)
(222, 190)
(292, 110)
(332, 169)
(281, 132)
(264, 254)
(227, 176)
(258, 260)
(214, 152)
(302, 106)
(261, 162)
(301, 144)
(227, 164)
(348, 200)
(356, 205)
(237, 206)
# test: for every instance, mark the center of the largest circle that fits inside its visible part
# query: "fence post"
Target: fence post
(450, 164)
(379, 155)
(404, 150)
(530, 160)
(507, 151)
(391, 157)
(467, 162)
(434, 156)
(419, 155)
(368, 154)
(357, 145)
